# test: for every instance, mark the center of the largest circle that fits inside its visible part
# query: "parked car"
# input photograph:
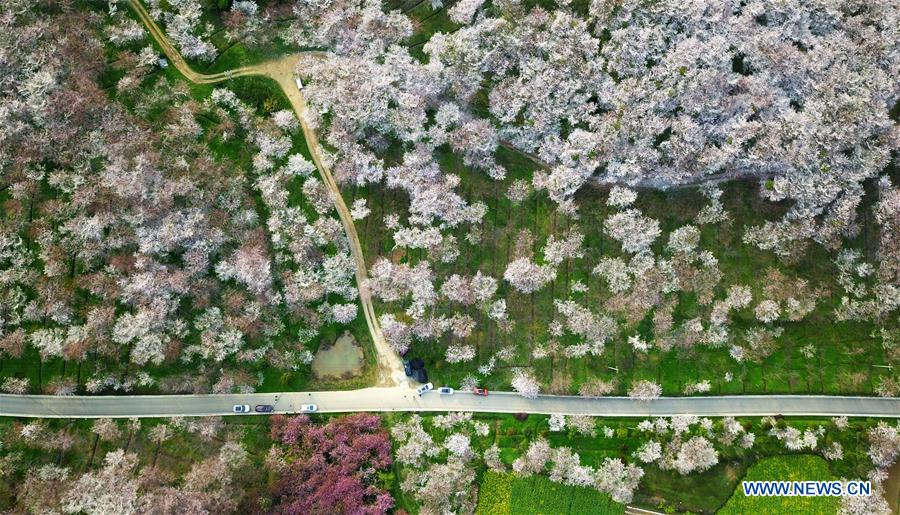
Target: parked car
(480, 391)
(308, 408)
(240, 408)
(299, 83)
(264, 408)
(407, 368)
(427, 387)
(445, 390)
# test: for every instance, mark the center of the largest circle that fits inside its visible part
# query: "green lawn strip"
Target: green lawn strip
(784, 468)
(669, 491)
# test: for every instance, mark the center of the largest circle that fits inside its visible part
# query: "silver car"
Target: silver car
(240, 408)
(427, 387)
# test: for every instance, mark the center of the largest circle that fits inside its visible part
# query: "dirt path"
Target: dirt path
(281, 70)
(892, 488)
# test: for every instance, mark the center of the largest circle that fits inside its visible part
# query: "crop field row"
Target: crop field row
(504, 494)
(784, 468)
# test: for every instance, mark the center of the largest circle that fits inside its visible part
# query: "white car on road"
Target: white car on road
(240, 408)
(427, 387)
(308, 408)
(445, 390)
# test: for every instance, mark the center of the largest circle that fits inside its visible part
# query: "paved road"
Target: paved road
(404, 399)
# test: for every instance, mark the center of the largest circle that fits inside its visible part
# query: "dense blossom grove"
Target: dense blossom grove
(128, 241)
(640, 199)
(443, 446)
(648, 95)
(125, 239)
(341, 465)
(119, 482)
(759, 89)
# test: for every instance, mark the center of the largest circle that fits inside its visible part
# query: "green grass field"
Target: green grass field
(784, 468)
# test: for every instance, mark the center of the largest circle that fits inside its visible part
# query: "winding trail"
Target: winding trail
(281, 70)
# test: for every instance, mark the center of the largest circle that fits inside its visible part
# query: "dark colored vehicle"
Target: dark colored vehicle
(407, 368)
(264, 408)
(480, 391)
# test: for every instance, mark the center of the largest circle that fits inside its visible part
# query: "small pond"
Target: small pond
(341, 360)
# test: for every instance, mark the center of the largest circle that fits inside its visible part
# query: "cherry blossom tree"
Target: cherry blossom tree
(767, 311)
(111, 489)
(695, 454)
(557, 422)
(583, 424)
(359, 210)
(645, 390)
(183, 26)
(492, 459)
(525, 383)
(526, 276)
(649, 452)
(884, 444)
(597, 388)
(463, 11)
(618, 479)
(621, 197)
(534, 460)
(396, 333)
(248, 265)
(344, 313)
(15, 385)
(557, 251)
(643, 116)
(106, 429)
(633, 230)
(347, 27)
(284, 118)
(335, 465)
